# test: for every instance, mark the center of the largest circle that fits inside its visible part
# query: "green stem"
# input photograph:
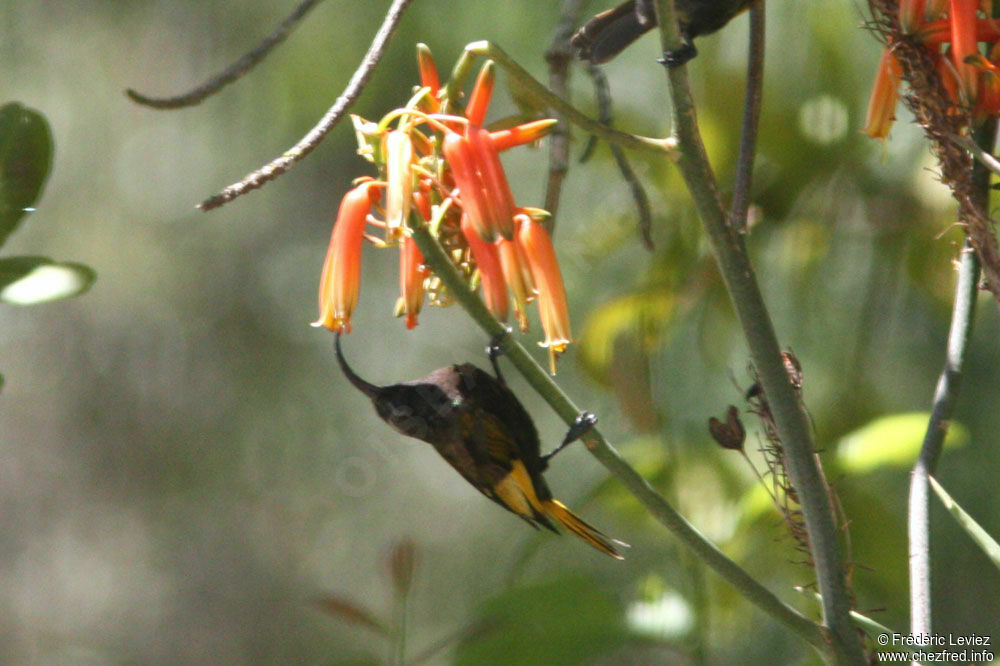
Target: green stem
(544, 98)
(760, 596)
(751, 121)
(871, 627)
(789, 415)
(945, 396)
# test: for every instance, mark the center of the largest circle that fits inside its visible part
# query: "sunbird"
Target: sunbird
(479, 426)
(607, 34)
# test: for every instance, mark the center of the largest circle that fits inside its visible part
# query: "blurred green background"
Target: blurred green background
(184, 472)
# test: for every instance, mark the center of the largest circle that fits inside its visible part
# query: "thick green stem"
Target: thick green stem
(789, 415)
(760, 596)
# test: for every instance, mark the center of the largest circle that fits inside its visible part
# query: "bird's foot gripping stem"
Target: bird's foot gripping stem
(495, 350)
(581, 426)
(678, 57)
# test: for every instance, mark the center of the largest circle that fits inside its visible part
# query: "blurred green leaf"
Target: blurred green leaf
(968, 523)
(646, 314)
(28, 280)
(893, 441)
(561, 621)
(25, 161)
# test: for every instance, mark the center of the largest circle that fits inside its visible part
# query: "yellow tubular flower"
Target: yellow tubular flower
(399, 179)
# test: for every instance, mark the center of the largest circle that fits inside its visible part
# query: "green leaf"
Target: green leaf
(30, 280)
(563, 621)
(967, 523)
(25, 161)
(891, 441)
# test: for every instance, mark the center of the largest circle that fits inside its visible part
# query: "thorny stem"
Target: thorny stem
(544, 98)
(945, 395)
(659, 508)
(231, 73)
(865, 623)
(789, 416)
(336, 112)
(751, 120)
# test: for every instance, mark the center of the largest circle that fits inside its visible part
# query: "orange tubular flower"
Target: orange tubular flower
(475, 163)
(962, 14)
(939, 32)
(499, 200)
(340, 281)
(517, 275)
(429, 76)
(552, 307)
(884, 97)
(911, 15)
(482, 185)
(461, 159)
(490, 272)
(482, 91)
(411, 281)
(522, 134)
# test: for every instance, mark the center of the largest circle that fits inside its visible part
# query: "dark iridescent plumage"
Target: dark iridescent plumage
(480, 427)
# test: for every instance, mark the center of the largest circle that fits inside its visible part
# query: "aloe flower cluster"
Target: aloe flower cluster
(951, 32)
(440, 168)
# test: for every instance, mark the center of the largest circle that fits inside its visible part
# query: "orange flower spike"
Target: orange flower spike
(911, 15)
(482, 91)
(517, 275)
(490, 272)
(522, 134)
(411, 280)
(962, 15)
(552, 307)
(497, 196)
(461, 159)
(340, 281)
(884, 97)
(399, 177)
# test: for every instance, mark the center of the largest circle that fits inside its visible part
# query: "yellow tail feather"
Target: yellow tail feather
(557, 510)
